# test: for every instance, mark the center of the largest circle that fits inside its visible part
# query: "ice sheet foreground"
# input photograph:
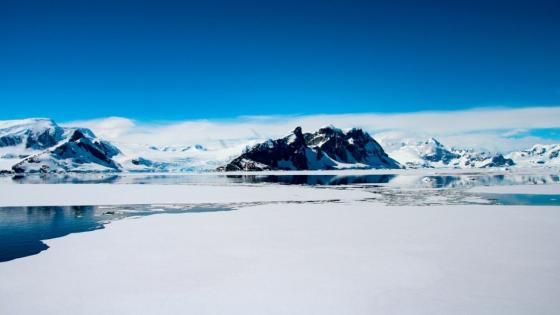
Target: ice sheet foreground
(352, 258)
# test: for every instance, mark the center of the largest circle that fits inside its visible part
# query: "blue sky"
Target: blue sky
(177, 60)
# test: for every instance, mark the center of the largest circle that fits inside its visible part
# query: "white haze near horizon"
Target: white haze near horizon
(496, 129)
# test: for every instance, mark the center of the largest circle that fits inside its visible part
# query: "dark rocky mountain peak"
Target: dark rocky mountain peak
(327, 148)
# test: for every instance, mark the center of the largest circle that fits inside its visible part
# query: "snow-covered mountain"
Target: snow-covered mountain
(538, 155)
(429, 153)
(40, 145)
(432, 154)
(30, 134)
(328, 148)
(475, 159)
(81, 152)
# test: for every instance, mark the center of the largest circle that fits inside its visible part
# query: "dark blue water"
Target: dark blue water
(522, 199)
(23, 229)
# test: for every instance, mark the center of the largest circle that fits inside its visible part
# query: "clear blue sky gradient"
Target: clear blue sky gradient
(170, 60)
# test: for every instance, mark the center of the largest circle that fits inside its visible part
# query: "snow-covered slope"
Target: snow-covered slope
(473, 159)
(149, 158)
(32, 134)
(21, 138)
(538, 155)
(40, 145)
(429, 153)
(81, 152)
(432, 154)
(328, 148)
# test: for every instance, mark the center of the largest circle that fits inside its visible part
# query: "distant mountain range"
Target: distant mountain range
(42, 146)
(432, 154)
(538, 155)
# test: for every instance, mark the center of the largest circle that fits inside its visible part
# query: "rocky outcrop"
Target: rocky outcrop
(328, 148)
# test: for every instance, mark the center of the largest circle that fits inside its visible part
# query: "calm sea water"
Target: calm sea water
(399, 181)
(23, 229)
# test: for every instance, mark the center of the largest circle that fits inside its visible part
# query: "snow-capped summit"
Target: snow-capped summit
(33, 133)
(474, 159)
(328, 148)
(428, 153)
(434, 151)
(538, 155)
(352, 147)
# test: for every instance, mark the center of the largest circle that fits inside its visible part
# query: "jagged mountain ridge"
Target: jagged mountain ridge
(80, 152)
(328, 148)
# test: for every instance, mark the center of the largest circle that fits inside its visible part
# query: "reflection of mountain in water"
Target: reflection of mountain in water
(399, 181)
(23, 228)
(314, 179)
(466, 181)
(65, 179)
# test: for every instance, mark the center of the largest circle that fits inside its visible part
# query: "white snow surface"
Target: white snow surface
(107, 194)
(6, 164)
(177, 158)
(352, 258)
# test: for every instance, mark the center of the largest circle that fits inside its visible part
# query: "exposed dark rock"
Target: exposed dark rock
(499, 160)
(328, 148)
